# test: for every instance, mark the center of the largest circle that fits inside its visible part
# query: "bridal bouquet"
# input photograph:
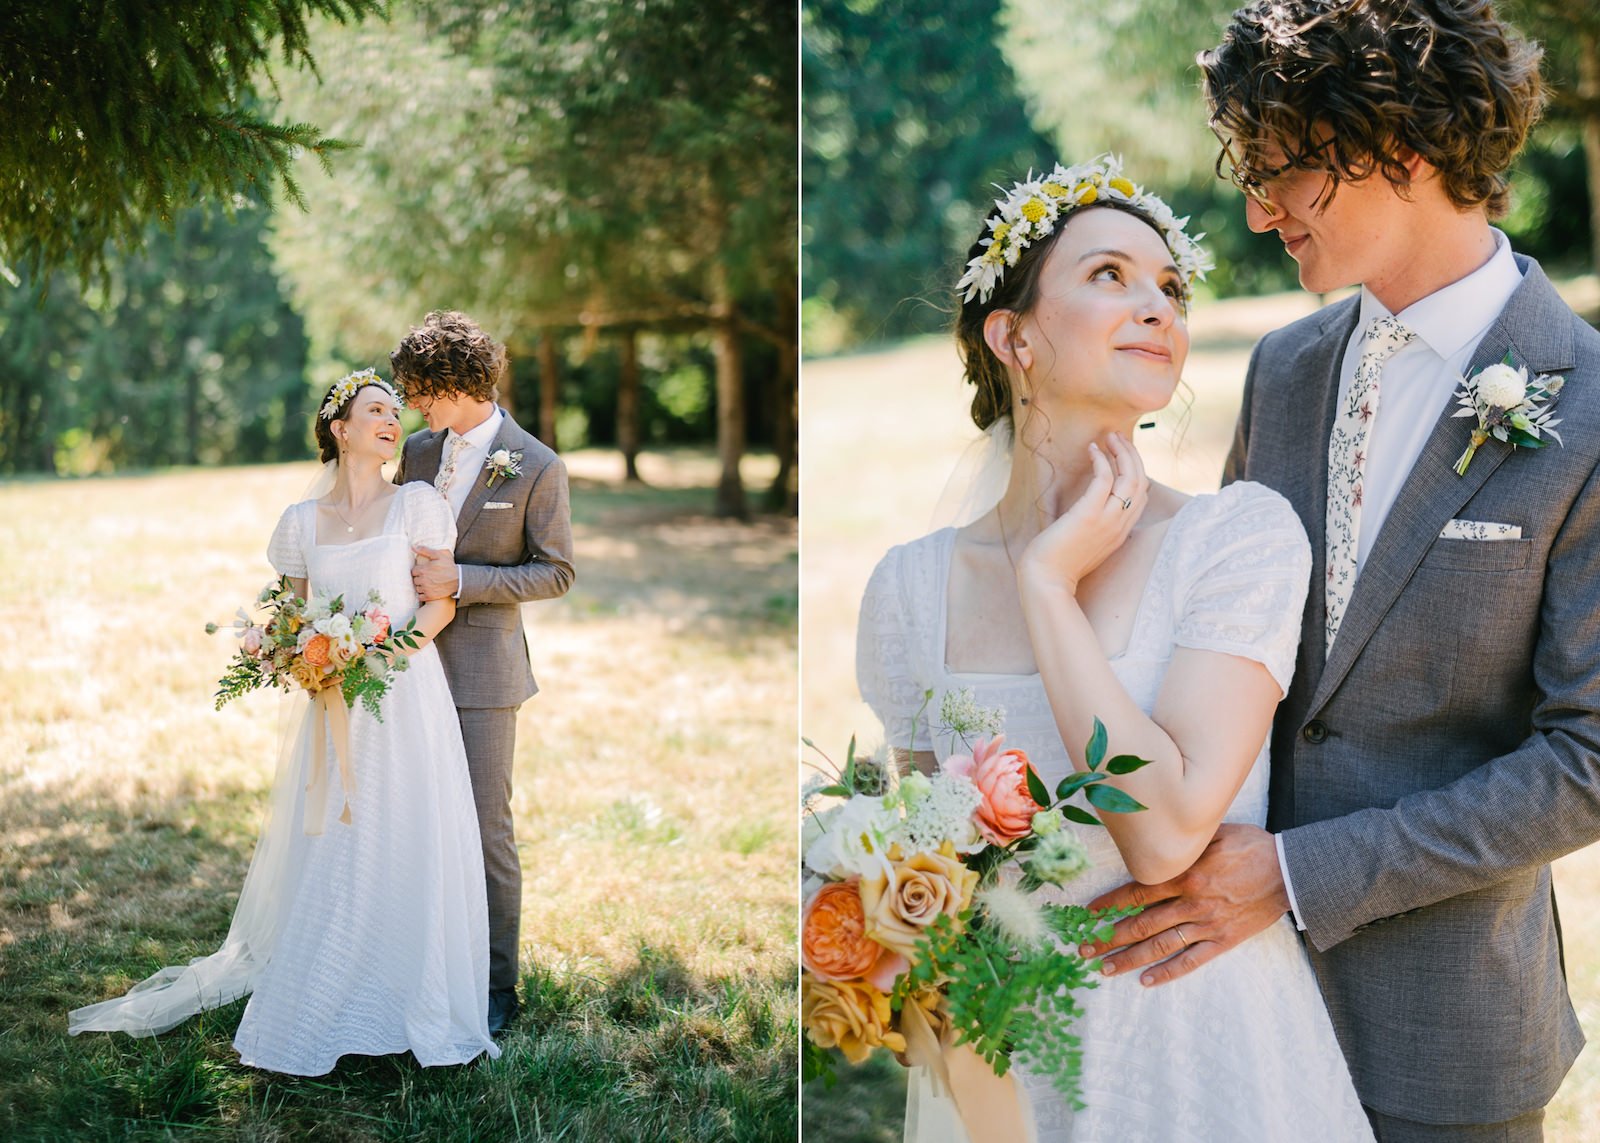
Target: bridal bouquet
(314, 645)
(921, 921)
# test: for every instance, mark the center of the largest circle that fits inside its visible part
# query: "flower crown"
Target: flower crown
(1032, 208)
(351, 384)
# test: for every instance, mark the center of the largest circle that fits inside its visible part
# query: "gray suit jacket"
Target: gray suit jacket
(1449, 749)
(507, 557)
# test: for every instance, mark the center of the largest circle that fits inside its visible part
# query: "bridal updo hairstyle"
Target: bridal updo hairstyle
(1017, 291)
(449, 355)
(1351, 87)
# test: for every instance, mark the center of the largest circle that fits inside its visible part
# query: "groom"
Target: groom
(1440, 744)
(513, 544)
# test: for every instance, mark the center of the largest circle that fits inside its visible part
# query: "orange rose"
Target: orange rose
(316, 651)
(1001, 777)
(851, 1017)
(833, 940)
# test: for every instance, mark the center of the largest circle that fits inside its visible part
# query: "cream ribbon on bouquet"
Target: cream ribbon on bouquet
(330, 717)
(993, 1109)
(1347, 465)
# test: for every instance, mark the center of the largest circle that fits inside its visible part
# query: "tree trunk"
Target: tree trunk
(628, 405)
(730, 398)
(784, 493)
(549, 387)
(1589, 93)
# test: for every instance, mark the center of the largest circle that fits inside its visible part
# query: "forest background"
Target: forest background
(610, 188)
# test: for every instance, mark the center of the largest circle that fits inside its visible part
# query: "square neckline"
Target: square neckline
(943, 634)
(383, 529)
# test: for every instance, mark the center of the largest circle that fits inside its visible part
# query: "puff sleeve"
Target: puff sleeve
(428, 519)
(1245, 589)
(884, 659)
(286, 551)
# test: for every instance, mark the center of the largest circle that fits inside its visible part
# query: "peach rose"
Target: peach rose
(833, 940)
(915, 892)
(251, 640)
(380, 624)
(317, 650)
(1001, 777)
(846, 1015)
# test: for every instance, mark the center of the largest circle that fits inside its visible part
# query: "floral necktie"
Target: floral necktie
(1347, 464)
(447, 470)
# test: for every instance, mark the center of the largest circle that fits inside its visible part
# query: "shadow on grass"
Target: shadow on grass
(93, 901)
(865, 1103)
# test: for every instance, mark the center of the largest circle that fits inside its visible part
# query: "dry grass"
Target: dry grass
(654, 801)
(894, 423)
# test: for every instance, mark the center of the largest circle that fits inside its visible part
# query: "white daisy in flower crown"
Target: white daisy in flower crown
(1031, 209)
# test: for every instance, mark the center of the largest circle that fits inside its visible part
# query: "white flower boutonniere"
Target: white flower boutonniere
(1509, 408)
(502, 465)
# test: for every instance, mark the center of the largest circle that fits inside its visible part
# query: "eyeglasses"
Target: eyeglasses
(1255, 184)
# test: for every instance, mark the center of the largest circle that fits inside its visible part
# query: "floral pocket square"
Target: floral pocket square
(497, 504)
(1480, 530)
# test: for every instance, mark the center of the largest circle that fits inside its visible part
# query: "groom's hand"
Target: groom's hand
(434, 574)
(1231, 893)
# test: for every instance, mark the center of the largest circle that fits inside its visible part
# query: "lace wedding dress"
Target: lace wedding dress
(370, 938)
(1241, 1049)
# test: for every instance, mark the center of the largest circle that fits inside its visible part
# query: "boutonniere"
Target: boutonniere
(502, 464)
(1509, 408)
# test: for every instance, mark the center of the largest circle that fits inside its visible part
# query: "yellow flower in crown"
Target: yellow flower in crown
(351, 384)
(1032, 209)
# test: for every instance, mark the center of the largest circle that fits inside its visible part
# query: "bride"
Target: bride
(369, 937)
(1089, 591)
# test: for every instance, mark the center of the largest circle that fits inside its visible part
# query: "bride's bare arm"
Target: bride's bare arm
(1211, 717)
(1213, 712)
(432, 618)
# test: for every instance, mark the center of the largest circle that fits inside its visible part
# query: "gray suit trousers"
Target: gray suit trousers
(490, 736)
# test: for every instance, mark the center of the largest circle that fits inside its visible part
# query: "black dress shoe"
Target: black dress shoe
(503, 1009)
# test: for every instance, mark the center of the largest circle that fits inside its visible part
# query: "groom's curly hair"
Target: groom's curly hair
(449, 355)
(1350, 86)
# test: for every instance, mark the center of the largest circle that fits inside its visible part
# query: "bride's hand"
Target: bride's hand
(1096, 525)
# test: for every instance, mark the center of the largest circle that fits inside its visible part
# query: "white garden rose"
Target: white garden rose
(854, 838)
(1502, 387)
(501, 458)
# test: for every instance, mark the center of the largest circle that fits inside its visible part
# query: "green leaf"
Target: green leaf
(1112, 800)
(1096, 749)
(1072, 783)
(1079, 815)
(1126, 764)
(1036, 788)
(835, 791)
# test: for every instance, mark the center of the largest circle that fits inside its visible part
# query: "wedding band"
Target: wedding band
(1179, 930)
(1126, 502)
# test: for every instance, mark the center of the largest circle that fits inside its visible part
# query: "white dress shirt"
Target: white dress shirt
(1418, 384)
(469, 464)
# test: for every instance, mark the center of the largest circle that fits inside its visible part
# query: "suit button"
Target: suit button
(1315, 732)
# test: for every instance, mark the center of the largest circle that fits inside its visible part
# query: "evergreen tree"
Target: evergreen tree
(123, 112)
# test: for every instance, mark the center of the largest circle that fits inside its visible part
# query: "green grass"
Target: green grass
(653, 794)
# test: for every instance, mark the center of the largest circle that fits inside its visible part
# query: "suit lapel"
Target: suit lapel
(1535, 328)
(1309, 492)
(429, 456)
(479, 496)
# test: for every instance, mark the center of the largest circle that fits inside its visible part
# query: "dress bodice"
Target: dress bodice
(1230, 575)
(416, 515)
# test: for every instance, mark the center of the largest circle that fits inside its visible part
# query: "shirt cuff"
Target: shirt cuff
(1288, 886)
(457, 595)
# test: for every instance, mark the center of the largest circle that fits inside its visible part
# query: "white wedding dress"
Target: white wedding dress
(1241, 1049)
(373, 937)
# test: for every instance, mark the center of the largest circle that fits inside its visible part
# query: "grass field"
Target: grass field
(654, 801)
(881, 432)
